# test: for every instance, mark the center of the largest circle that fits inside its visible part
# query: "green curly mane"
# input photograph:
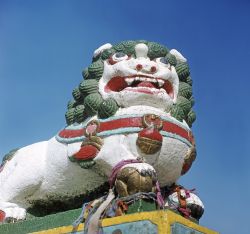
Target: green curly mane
(88, 102)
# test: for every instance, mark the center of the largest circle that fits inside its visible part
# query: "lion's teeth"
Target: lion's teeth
(152, 80)
(160, 83)
(129, 81)
(142, 79)
(138, 78)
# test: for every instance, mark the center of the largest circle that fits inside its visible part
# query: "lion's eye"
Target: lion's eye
(119, 56)
(163, 60)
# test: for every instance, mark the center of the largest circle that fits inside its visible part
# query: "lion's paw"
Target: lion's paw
(10, 212)
(130, 181)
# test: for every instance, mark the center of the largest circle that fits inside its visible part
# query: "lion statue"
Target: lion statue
(128, 124)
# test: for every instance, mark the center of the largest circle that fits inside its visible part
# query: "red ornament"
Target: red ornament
(149, 139)
(86, 152)
(2, 216)
(92, 145)
(151, 133)
(188, 160)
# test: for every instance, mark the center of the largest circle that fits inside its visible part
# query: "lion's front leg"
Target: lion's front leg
(20, 177)
(119, 160)
(10, 212)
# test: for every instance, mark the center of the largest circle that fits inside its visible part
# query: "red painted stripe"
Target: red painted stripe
(175, 129)
(67, 133)
(121, 123)
(130, 122)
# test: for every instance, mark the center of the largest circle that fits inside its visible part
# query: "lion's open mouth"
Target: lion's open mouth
(140, 83)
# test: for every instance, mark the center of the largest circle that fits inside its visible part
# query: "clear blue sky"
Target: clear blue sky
(44, 45)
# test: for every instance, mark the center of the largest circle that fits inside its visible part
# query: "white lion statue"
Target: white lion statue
(129, 124)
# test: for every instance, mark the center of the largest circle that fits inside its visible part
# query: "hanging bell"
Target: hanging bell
(188, 160)
(92, 145)
(149, 139)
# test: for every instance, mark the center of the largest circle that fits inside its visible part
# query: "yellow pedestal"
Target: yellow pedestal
(163, 221)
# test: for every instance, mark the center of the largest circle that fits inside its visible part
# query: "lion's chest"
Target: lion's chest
(168, 161)
(125, 136)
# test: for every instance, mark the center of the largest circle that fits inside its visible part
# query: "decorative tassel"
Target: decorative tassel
(81, 216)
(93, 224)
(159, 197)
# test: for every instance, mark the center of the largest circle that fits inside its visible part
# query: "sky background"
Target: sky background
(44, 45)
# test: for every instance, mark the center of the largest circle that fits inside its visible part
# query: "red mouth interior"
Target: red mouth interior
(117, 84)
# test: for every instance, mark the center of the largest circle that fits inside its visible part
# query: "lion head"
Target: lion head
(139, 80)
(133, 73)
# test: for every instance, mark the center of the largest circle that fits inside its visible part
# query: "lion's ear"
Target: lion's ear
(98, 51)
(178, 55)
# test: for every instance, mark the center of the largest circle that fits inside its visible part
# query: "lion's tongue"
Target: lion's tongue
(146, 84)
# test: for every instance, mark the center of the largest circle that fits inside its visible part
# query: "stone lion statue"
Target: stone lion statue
(129, 124)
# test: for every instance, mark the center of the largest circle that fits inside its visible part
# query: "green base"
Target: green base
(141, 206)
(66, 218)
(41, 223)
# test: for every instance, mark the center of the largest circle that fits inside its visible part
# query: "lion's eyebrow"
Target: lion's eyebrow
(99, 50)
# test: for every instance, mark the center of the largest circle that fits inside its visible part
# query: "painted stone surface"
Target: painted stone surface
(133, 227)
(129, 124)
(166, 222)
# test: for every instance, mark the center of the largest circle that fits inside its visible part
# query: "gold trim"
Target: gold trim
(148, 146)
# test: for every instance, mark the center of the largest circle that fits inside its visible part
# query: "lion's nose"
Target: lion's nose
(147, 68)
(143, 62)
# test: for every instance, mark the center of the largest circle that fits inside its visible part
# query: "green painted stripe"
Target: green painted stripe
(41, 223)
